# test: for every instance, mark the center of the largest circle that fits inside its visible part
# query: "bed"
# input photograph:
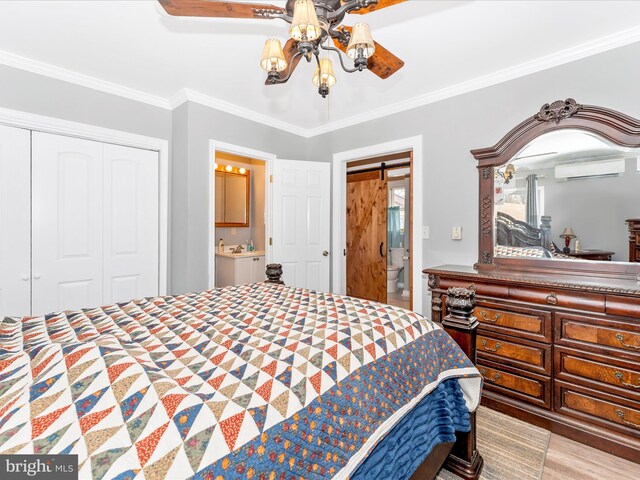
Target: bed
(253, 381)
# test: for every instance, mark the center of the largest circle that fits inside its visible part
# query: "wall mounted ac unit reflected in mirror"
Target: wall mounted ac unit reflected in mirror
(581, 170)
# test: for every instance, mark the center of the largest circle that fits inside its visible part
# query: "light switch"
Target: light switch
(233, 231)
(456, 233)
(425, 232)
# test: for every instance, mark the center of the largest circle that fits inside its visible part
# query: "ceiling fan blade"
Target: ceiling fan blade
(214, 8)
(383, 63)
(378, 6)
(290, 49)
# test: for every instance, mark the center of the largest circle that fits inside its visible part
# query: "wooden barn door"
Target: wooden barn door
(367, 236)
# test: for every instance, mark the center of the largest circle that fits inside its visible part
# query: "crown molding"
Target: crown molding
(562, 57)
(587, 49)
(52, 71)
(187, 95)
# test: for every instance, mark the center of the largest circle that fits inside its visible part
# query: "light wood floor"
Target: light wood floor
(397, 300)
(569, 460)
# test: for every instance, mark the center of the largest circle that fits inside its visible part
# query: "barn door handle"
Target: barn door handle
(381, 245)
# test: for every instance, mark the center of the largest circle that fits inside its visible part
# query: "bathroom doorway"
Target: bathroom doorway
(240, 209)
(379, 229)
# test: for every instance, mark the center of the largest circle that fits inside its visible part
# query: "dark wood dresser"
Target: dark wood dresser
(561, 354)
(634, 239)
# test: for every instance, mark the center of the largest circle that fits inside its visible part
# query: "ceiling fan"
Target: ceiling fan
(314, 23)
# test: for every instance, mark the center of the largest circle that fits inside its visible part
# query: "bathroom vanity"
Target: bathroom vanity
(239, 268)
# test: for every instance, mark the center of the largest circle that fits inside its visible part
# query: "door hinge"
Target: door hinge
(270, 178)
(270, 241)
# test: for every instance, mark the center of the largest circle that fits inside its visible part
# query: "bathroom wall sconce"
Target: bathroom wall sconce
(230, 169)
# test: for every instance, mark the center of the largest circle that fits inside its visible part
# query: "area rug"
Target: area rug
(511, 449)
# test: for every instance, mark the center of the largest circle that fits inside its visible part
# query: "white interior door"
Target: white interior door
(301, 228)
(15, 222)
(67, 237)
(131, 234)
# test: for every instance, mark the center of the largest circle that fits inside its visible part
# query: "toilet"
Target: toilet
(394, 269)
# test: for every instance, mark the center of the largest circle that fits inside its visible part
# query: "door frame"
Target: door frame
(58, 126)
(268, 158)
(339, 168)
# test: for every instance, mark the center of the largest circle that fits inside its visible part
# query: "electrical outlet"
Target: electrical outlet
(425, 232)
(456, 233)
(233, 231)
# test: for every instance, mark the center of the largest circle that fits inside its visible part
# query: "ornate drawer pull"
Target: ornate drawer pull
(552, 299)
(495, 378)
(620, 413)
(484, 345)
(620, 338)
(472, 287)
(620, 377)
(495, 318)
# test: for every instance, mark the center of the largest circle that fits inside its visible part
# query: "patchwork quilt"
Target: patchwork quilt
(256, 381)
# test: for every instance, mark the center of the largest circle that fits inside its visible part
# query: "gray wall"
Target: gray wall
(29, 92)
(452, 127)
(596, 209)
(190, 183)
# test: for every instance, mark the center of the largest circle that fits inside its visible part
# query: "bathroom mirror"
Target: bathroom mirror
(570, 172)
(232, 199)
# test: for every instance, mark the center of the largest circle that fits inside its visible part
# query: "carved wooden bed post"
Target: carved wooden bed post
(274, 273)
(464, 460)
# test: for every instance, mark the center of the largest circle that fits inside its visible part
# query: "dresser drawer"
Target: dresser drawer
(525, 386)
(532, 356)
(613, 336)
(623, 306)
(482, 289)
(512, 320)
(605, 410)
(593, 302)
(599, 372)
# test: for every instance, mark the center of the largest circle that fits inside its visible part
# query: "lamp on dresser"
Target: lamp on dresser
(558, 340)
(568, 235)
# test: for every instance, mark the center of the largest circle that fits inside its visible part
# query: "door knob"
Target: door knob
(37, 276)
(325, 254)
(25, 278)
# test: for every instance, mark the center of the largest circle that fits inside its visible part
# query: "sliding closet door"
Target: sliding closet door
(15, 222)
(130, 223)
(67, 223)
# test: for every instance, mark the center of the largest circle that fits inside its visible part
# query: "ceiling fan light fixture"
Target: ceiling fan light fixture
(361, 42)
(272, 56)
(305, 25)
(323, 77)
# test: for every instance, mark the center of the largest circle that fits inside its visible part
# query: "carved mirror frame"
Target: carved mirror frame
(616, 127)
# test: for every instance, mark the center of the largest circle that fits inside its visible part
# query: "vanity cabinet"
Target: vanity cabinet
(239, 269)
(564, 355)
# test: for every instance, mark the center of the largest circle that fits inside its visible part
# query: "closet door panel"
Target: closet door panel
(67, 223)
(15, 222)
(130, 223)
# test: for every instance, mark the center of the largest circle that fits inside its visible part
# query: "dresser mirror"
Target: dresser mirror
(556, 192)
(567, 187)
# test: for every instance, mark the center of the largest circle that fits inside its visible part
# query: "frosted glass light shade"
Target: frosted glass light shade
(361, 39)
(305, 21)
(273, 56)
(324, 74)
